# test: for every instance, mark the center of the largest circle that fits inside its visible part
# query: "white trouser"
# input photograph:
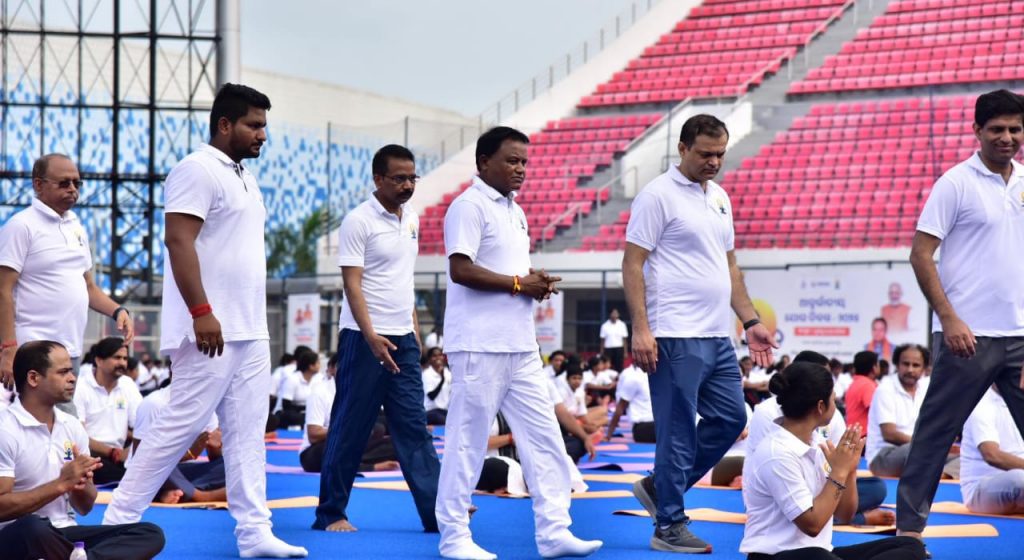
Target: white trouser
(235, 385)
(483, 383)
(1001, 494)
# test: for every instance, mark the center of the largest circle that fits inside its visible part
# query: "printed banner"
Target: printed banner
(548, 317)
(839, 310)
(303, 321)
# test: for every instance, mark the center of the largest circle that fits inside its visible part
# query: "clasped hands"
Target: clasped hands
(539, 285)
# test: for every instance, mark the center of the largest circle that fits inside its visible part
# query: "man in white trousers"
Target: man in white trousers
(215, 324)
(492, 349)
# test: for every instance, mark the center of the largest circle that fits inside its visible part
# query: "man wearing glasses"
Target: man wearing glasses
(379, 345)
(46, 284)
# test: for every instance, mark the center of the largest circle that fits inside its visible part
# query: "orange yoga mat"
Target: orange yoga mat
(957, 508)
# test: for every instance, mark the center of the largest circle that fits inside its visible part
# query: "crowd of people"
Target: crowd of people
(791, 433)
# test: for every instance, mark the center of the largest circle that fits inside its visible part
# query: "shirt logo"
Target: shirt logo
(69, 451)
(720, 204)
(412, 231)
(79, 234)
(1022, 198)
(121, 404)
(522, 223)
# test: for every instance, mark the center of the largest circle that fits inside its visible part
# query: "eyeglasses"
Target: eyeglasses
(402, 179)
(64, 183)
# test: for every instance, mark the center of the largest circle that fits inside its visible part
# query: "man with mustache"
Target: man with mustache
(214, 324)
(681, 279)
(106, 402)
(46, 283)
(379, 346)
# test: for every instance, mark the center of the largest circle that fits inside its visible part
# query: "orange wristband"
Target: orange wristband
(200, 310)
(516, 287)
(8, 344)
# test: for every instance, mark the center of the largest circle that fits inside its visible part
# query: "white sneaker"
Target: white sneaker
(570, 546)
(468, 550)
(272, 547)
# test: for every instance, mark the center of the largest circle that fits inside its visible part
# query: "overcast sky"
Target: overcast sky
(458, 54)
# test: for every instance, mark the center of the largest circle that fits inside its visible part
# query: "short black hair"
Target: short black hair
(880, 320)
(708, 125)
(864, 362)
(812, 357)
(382, 158)
(233, 102)
(555, 354)
(133, 363)
(898, 351)
(594, 361)
(32, 356)
(107, 347)
(305, 359)
(42, 165)
(332, 361)
(834, 363)
(286, 359)
(490, 142)
(573, 368)
(800, 387)
(997, 103)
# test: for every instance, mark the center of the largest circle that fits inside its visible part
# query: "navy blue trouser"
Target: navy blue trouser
(363, 385)
(694, 375)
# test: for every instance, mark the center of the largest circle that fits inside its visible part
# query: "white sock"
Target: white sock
(273, 547)
(571, 546)
(468, 550)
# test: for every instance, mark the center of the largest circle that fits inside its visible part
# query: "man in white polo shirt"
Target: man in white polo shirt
(992, 459)
(107, 401)
(680, 276)
(492, 349)
(634, 394)
(613, 339)
(46, 284)
(379, 346)
(214, 324)
(46, 475)
(976, 213)
(894, 410)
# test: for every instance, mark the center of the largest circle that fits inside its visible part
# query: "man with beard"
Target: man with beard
(107, 402)
(379, 346)
(214, 324)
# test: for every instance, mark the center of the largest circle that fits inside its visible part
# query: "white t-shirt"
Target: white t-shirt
(430, 380)
(385, 247)
(107, 417)
(33, 455)
(768, 415)
(433, 340)
(891, 404)
(990, 421)
(151, 406)
(842, 383)
(634, 387)
(318, 407)
(688, 232)
(232, 255)
(297, 389)
(780, 481)
(613, 334)
(980, 220)
(491, 230)
(51, 254)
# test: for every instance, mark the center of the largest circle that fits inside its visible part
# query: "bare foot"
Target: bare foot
(341, 526)
(472, 510)
(170, 496)
(881, 517)
(218, 495)
(387, 466)
(737, 482)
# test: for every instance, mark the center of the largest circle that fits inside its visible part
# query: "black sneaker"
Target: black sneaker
(678, 538)
(644, 492)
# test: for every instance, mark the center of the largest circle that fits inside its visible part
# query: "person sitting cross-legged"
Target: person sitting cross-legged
(992, 459)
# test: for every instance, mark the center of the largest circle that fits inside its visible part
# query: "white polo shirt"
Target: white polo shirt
(891, 404)
(780, 481)
(385, 247)
(491, 230)
(688, 232)
(50, 252)
(297, 389)
(980, 220)
(613, 334)
(232, 256)
(430, 380)
(318, 407)
(990, 421)
(768, 417)
(634, 387)
(107, 417)
(33, 455)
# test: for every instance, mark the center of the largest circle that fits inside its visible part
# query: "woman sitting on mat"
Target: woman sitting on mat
(792, 489)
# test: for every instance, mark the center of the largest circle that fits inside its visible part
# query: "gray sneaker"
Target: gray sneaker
(678, 538)
(644, 492)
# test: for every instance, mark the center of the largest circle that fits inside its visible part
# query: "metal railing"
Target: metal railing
(577, 208)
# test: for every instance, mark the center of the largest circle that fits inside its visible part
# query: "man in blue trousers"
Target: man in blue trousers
(379, 346)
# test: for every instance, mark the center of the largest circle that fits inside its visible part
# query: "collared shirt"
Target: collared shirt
(491, 230)
(51, 254)
(613, 334)
(892, 404)
(780, 481)
(990, 422)
(858, 400)
(296, 389)
(232, 255)
(768, 416)
(431, 379)
(688, 232)
(635, 388)
(318, 407)
(107, 416)
(980, 220)
(33, 455)
(385, 247)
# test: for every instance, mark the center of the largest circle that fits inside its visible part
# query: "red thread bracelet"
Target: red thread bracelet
(200, 310)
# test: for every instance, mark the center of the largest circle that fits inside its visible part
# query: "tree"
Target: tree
(292, 250)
